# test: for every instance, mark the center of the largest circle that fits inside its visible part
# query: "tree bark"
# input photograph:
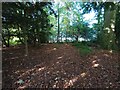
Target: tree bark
(117, 26)
(58, 25)
(25, 32)
(108, 35)
(8, 43)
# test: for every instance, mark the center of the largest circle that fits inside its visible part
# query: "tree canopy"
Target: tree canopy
(42, 22)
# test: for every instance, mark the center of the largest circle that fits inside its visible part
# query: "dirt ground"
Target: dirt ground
(58, 66)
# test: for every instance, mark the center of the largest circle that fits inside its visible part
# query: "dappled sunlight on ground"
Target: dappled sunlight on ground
(50, 50)
(14, 58)
(54, 49)
(35, 70)
(111, 51)
(22, 87)
(41, 68)
(60, 57)
(94, 57)
(95, 65)
(23, 82)
(70, 82)
(94, 61)
(83, 74)
(106, 55)
(60, 68)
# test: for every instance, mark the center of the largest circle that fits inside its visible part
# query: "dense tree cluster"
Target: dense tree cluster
(27, 21)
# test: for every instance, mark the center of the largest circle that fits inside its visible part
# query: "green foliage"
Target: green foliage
(88, 6)
(38, 23)
(71, 23)
(30, 19)
(12, 42)
(83, 48)
(105, 38)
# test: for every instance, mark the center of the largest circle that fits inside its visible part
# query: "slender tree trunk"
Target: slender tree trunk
(8, 40)
(26, 46)
(76, 38)
(25, 32)
(34, 41)
(61, 37)
(25, 40)
(58, 25)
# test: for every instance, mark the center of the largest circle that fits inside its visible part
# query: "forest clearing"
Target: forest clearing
(60, 44)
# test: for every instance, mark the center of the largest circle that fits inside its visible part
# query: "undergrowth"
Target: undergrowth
(83, 48)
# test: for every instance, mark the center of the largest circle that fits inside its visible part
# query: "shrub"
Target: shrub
(83, 48)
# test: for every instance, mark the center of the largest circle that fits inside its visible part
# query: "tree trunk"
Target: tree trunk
(25, 32)
(26, 46)
(25, 41)
(58, 26)
(107, 35)
(117, 32)
(66, 35)
(61, 37)
(8, 43)
(117, 26)
(76, 38)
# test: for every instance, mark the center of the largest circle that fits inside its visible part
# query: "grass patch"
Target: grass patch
(83, 48)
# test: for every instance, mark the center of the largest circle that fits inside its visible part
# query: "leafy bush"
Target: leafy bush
(84, 49)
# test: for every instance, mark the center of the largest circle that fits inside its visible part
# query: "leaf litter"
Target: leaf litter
(60, 67)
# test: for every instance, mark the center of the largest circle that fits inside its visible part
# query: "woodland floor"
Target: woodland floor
(58, 66)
